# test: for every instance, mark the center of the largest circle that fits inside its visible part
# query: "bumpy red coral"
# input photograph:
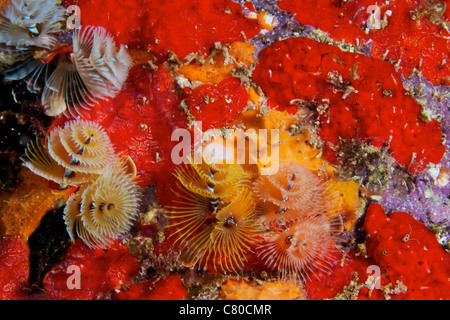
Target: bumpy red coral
(329, 285)
(170, 288)
(217, 106)
(365, 98)
(101, 272)
(180, 26)
(411, 33)
(411, 263)
(14, 268)
(409, 253)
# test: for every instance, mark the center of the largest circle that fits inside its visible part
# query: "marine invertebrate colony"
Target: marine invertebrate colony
(180, 27)
(213, 216)
(89, 67)
(103, 271)
(102, 210)
(29, 31)
(95, 70)
(302, 220)
(305, 247)
(107, 202)
(420, 28)
(24, 209)
(13, 252)
(74, 154)
(409, 253)
(292, 187)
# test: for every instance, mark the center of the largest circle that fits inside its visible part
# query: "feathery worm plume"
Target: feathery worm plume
(77, 153)
(40, 162)
(291, 193)
(293, 186)
(29, 29)
(75, 227)
(39, 17)
(103, 209)
(234, 233)
(223, 237)
(94, 71)
(82, 146)
(212, 181)
(32, 32)
(109, 204)
(107, 200)
(213, 215)
(305, 247)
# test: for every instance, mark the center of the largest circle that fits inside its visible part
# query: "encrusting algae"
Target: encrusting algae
(23, 208)
(244, 290)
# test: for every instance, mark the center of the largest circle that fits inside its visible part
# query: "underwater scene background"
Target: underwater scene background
(219, 149)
